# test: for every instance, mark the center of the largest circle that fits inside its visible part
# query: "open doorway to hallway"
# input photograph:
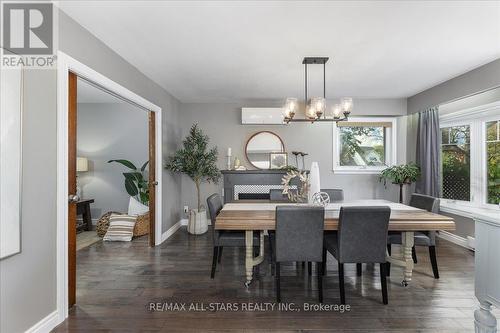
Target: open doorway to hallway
(111, 174)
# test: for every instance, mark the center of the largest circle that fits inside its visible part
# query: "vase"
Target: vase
(314, 182)
(197, 223)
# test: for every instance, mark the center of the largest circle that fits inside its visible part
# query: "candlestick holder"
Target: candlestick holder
(228, 162)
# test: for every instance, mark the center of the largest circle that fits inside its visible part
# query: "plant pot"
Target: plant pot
(197, 223)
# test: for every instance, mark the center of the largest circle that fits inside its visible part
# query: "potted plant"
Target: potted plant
(136, 183)
(198, 163)
(401, 175)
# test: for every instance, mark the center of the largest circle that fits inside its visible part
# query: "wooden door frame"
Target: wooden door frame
(66, 64)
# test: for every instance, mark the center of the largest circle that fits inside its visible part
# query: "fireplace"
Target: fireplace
(252, 184)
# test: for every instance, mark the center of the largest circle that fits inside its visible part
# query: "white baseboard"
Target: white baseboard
(45, 325)
(167, 234)
(455, 239)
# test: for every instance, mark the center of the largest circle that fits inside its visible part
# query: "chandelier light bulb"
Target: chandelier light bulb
(336, 111)
(346, 104)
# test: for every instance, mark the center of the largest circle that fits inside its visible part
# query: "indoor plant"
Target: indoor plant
(198, 163)
(136, 183)
(401, 175)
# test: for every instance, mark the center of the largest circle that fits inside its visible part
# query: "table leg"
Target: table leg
(87, 218)
(250, 261)
(406, 260)
(408, 242)
(484, 320)
(249, 256)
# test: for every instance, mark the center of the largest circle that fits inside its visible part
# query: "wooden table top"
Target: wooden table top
(261, 216)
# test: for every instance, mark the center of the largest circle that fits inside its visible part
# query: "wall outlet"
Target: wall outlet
(186, 209)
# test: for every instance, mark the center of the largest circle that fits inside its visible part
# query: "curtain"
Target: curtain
(429, 152)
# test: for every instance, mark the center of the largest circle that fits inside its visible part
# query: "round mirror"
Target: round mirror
(260, 146)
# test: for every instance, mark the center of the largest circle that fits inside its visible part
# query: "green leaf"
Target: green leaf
(144, 198)
(126, 163)
(144, 166)
(134, 176)
(131, 188)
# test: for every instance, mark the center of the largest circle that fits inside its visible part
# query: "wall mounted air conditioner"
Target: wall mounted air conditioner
(262, 116)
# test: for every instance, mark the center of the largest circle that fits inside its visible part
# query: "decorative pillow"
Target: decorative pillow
(136, 208)
(103, 223)
(121, 228)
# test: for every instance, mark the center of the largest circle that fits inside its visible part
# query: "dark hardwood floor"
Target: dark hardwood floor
(117, 282)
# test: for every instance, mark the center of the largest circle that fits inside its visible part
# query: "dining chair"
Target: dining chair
(225, 237)
(361, 238)
(421, 238)
(299, 237)
(335, 194)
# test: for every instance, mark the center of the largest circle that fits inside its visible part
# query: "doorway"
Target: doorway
(70, 72)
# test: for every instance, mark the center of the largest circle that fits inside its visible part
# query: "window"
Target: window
(470, 151)
(364, 145)
(493, 161)
(455, 157)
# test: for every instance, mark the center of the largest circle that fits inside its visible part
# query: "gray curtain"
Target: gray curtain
(429, 152)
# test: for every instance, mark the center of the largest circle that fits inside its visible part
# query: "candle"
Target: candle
(229, 151)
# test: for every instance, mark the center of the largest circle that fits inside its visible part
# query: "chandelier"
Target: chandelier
(315, 107)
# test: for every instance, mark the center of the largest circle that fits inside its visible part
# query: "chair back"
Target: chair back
(430, 204)
(335, 194)
(277, 195)
(362, 234)
(214, 204)
(299, 233)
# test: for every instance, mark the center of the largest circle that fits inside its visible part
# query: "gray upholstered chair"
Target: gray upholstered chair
(223, 238)
(361, 238)
(335, 194)
(422, 238)
(299, 237)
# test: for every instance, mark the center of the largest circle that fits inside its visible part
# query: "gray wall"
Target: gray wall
(222, 123)
(480, 79)
(28, 280)
(110, 131)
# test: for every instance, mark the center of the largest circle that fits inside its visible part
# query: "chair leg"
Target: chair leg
(383, 282)
(220, 254)
(271, 254)
(323, 268)
(309, 268)
(358, 269)
(432, 255)
(319, 267)
(388, 273)
(414, 254)
(277, 279)
(341, 283)
(214, 261)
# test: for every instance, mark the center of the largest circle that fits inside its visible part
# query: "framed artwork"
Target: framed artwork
(278, 160)
(11, 90)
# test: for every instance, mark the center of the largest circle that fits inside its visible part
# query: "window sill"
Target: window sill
(468, 211)
(357, 171)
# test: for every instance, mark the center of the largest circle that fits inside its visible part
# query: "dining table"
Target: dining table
(251, 216)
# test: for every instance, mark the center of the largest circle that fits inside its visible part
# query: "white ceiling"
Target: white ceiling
(216, 51)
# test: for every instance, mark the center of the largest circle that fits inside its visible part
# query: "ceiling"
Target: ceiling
(221, 51)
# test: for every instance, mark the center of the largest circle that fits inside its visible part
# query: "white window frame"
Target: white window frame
(476, 118)
(390, 147)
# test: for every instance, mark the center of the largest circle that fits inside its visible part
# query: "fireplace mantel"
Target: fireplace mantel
(241, 178)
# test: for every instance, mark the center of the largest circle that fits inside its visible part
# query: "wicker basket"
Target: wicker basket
(141, 227)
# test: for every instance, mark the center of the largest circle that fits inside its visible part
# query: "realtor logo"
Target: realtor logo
(28, 28)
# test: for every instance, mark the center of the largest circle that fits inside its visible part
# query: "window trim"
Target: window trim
(476, 118)
(390, 148)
